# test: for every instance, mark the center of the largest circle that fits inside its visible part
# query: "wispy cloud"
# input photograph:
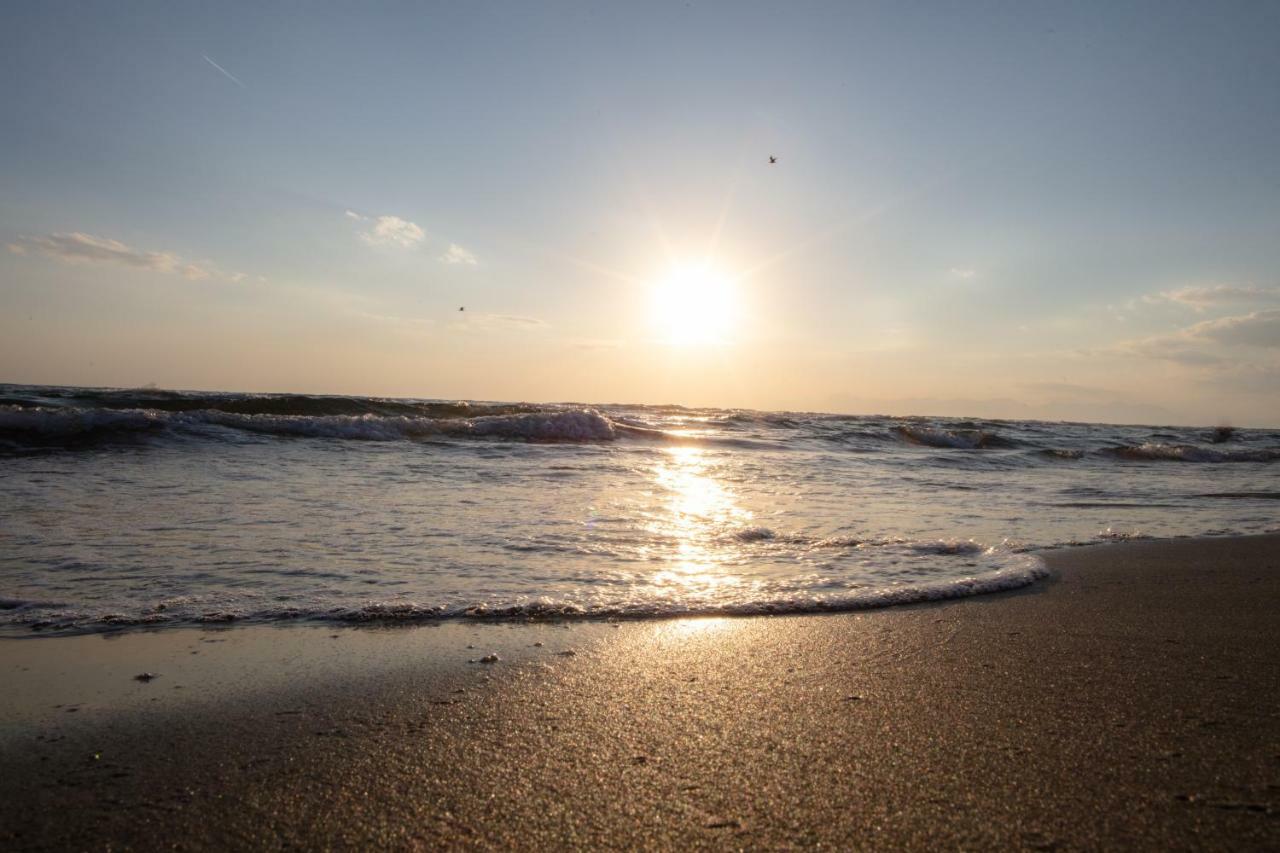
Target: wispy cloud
(388, 230)
(1175, 348)
(1259, 329)
(962, 273)
(482, 321)
(455, 254)
(225, 72)
(76, 247)
(1211, 343)
(1203, 297)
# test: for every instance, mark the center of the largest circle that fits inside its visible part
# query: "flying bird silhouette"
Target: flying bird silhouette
(463, 308)
(772, 159)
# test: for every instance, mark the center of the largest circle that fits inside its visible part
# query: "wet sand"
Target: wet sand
(1132, 700)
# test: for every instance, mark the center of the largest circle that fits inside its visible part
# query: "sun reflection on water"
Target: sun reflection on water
(697, 516)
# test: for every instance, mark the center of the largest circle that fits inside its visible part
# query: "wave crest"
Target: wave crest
(1157, 452)
(75, 423)
(55, 424)
(964, 439)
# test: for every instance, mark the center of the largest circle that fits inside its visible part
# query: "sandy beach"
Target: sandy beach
(653, 426)
(1131, 700)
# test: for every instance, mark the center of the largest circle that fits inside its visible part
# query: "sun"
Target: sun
(694, 305)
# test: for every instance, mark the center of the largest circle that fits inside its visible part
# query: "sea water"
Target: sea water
(147, 507)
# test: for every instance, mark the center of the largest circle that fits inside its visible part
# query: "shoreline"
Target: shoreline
(1132, 698)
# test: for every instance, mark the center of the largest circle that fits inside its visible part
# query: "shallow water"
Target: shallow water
(153, 507)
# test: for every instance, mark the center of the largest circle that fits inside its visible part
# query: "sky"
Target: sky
(1058, 211)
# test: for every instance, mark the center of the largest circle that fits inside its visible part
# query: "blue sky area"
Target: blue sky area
(1000, 209)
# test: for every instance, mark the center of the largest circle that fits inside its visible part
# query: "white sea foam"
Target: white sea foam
(156, 508)
(578, 425)
(1013, 571)
(1110, 535)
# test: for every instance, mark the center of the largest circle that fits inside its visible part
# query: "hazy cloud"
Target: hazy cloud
(455, 254)
(416, 323)
(1202, 345)
(1118, 409)
(76, 247)
(961, 273)
(597, 344)
(1251, 378)
(1259, 329)
(389, 231)
(1202, 297)
(1175, 348)
(1068, 390)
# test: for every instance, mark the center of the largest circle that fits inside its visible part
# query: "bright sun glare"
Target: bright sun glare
(694, 305)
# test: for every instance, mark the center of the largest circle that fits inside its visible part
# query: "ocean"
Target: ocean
(151, 508)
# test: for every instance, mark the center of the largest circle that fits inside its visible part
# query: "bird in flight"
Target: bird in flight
(772, 159)
(463, 308)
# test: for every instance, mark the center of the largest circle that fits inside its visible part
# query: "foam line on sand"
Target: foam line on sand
(1131, 700)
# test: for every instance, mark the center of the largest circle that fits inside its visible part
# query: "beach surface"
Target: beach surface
(1131, 700)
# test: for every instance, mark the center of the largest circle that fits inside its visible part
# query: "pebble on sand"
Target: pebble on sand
(145, 677)
(489, 658)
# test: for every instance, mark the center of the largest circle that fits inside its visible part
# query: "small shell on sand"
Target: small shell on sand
(489, 658)
(145, 677)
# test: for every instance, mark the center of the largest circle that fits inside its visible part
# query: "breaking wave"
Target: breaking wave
(145, 507)
(968, 439)
(38, 418)
(1061, 453)
(70, 423)
(911, 572)
(1190, 453)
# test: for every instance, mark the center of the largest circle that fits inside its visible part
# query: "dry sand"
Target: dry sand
(1131, 701)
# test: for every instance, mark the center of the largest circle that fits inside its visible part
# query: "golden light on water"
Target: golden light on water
(699, 510)
(694, 304)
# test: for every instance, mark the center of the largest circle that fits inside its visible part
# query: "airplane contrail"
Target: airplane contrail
(224, 71)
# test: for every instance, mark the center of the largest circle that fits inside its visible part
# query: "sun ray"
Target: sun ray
(821, 236)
